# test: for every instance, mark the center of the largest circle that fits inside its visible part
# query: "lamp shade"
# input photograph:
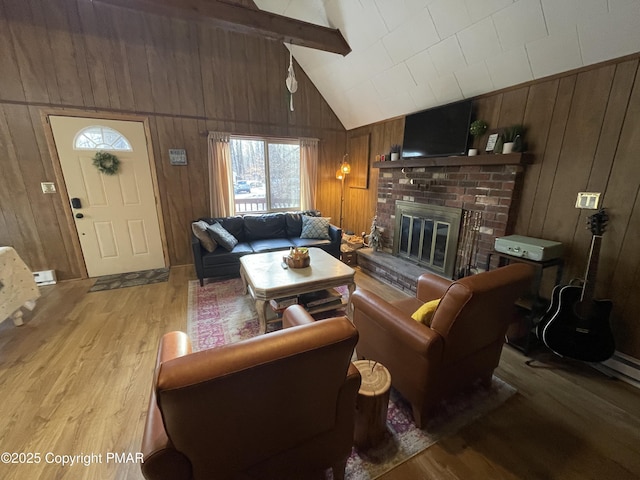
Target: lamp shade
(339, 174)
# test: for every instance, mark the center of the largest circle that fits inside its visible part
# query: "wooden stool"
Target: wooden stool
(372, 403)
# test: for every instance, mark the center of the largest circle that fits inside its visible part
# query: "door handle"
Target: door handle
(79, 215)
(75, 202)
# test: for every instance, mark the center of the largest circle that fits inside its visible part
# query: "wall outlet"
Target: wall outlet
(48, 187)
(588, 200)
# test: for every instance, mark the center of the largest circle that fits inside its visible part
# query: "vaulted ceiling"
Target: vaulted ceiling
(409, 55)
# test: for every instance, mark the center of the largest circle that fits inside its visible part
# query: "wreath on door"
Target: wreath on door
(106, 162)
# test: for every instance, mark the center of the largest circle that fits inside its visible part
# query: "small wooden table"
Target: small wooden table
(372, 404)
(265, 277)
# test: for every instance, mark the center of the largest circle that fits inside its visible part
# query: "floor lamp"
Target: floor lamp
(341, 173)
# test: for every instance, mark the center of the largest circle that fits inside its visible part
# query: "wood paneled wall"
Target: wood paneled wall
(584, 129)
(360, 204)
(583, 126)
(186, 78)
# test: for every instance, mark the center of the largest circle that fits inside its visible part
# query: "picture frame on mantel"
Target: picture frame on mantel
(491, 141)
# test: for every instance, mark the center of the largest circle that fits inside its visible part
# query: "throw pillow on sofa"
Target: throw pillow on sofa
(315, 227)
(201, 232)
(222, 236)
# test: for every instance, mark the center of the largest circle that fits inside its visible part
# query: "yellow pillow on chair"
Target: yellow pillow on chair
(425, 313)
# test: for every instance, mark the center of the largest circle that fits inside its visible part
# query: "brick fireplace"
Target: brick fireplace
(491, 190)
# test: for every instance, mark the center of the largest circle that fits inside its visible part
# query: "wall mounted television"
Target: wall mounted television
(438, 132)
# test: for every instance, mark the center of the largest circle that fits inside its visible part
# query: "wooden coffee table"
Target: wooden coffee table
(266, 279)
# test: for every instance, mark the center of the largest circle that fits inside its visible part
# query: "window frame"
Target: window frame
(101, 146)
(266, 140)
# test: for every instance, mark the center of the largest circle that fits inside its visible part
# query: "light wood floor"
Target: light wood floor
(75, 380)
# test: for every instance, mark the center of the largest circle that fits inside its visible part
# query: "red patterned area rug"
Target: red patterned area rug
(220, 313)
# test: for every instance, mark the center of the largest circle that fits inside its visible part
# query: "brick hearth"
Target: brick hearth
(395, 271)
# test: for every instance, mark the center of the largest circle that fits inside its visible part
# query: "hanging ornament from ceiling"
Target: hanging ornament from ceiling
(291, 82)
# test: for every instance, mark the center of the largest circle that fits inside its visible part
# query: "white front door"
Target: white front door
(115, 215)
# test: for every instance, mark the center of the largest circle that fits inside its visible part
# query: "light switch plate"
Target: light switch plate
(588, 200)
(48, 187)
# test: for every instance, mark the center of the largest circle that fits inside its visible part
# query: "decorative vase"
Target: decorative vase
(507, 147)
(473, 152)
(394, 156)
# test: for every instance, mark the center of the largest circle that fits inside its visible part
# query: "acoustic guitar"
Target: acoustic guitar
(576, 325)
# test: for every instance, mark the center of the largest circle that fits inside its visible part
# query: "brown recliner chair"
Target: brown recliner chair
(462, 345)
(276, 406)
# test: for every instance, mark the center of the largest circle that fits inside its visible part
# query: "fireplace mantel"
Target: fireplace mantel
(490, 159)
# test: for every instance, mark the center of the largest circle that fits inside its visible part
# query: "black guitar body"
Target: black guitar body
(568, 334)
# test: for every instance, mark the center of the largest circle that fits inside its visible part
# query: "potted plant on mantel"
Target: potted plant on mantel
(477, 129)
(395, 152)
(512, 137)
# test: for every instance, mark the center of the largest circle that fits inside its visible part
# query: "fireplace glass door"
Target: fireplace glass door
(424, 240)
(427, 235)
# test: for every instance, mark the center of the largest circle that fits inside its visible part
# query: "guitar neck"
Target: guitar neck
(589, 287)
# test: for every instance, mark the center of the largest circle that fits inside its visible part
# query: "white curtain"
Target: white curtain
(308, 172)
(220, 186)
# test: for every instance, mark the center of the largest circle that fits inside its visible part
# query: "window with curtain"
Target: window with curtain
(265, 174)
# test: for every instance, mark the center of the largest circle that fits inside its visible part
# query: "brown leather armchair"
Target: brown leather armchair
(462, 345)
(276, 406)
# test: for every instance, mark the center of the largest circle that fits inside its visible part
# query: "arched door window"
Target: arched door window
(101, 138)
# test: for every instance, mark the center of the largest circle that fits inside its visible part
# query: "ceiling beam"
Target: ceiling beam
(244, 20)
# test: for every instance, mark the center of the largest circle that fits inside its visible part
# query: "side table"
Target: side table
(372, 404)
(536, 305)
(348, 249)
(350, 258)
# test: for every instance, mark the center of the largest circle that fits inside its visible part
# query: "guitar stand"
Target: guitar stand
(550, 363)
(553, 361)
(532, 305)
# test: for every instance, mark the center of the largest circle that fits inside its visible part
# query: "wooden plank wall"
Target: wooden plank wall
(360, 204)
(584, 129)
(187, 79)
